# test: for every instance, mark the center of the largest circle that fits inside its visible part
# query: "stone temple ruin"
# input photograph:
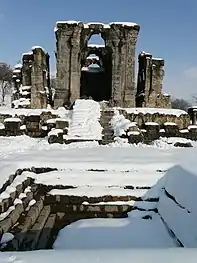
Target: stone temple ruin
(32, 80)
(95, 85)
(102, 72)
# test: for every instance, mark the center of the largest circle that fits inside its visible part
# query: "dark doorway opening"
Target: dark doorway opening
(96, 72)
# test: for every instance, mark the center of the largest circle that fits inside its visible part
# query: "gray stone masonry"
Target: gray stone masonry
(150, 83)
(39, 78)
(32, 81)
(72, 39)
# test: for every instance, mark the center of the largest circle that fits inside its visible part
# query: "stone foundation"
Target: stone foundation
(37, 216)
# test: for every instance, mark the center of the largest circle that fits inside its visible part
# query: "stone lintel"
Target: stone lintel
(97, 26)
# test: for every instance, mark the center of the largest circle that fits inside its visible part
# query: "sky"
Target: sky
(168, 30)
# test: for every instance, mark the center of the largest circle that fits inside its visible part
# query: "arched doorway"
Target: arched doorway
(96, 70)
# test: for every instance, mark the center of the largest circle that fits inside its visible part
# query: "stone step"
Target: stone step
(25, 222)
(45, 237)
(32, 236)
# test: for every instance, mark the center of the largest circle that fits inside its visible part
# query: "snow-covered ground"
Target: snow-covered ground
(119, 164)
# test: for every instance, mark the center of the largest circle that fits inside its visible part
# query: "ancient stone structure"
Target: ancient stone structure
(118, 57)
(149, 85)
(101, 72)
(32, 83)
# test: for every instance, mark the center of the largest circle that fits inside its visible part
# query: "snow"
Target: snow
(170, 255)
(96, 45)
(61, 112)
(170, 124)
(127, 24)
(151, 123)
(85, 120)
(6, 238)
(100, 191)
(174, 112)
(2, 127)
(113, 233)
(17, 71)
(159, 165)
(38, 47)
(120, 124)
(12, 120)
(55, 132)
(157, 58)
(192, 127)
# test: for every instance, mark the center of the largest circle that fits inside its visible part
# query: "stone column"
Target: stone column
(75, 62)
(68, 35)
(63, 61)
(27, 59)
(38, 91)
(157, 75)
(121, 38)
(148, 78)
(114, 43)
(129, 87)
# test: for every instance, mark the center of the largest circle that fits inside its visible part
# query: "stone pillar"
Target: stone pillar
(63, 60)
(38, 91)
(113, 41)
(75, 71)
(129, 87)
(157, 75)
(148, 78)
(68, 35)
(27, 59)
(122, 38)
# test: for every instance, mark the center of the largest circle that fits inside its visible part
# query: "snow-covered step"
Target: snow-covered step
(85, 120)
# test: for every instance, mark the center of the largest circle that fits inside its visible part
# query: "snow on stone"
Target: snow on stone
(170, 124)
(100, 191)
(128, 24)
(120, 124)
(55, 132)
(85, 120)
(96, 45)
(157, 59)
(133, 133)
(17, 201)
(38, 47)
(184, 131)
(174, 112)
(2, 127)
(192, 127)
(150, 123)
(5, 214)
(113, 234)
(25, 88)
(16, 71)
(12, 120)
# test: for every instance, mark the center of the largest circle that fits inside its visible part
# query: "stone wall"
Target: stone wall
(72, 38)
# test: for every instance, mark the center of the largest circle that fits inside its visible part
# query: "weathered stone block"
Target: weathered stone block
(32, 123)
(12, 126)
(55, 136)
(62, 124)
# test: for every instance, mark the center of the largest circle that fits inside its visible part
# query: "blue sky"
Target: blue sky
(168, 30)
